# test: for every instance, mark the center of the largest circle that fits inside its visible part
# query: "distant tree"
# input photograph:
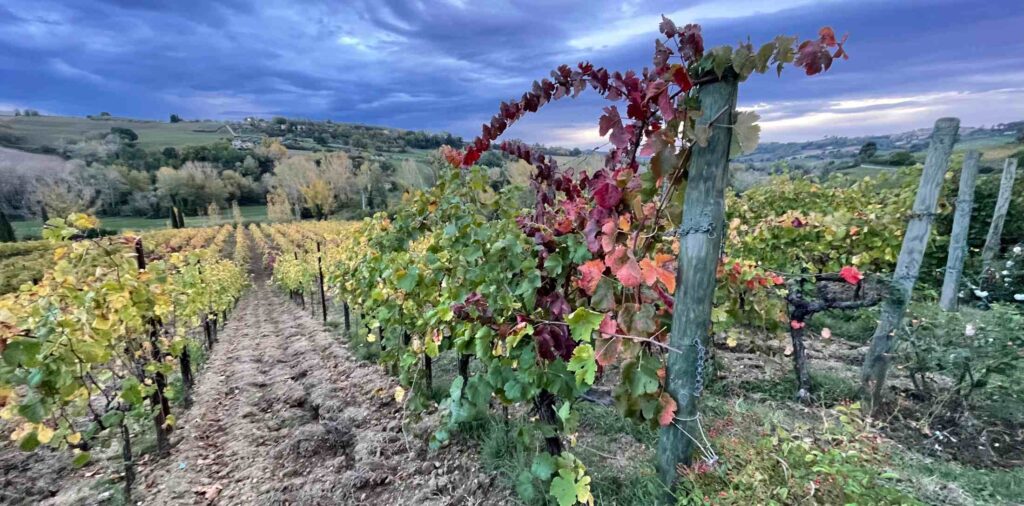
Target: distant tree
(272, 149)
(867, 151)
(6, 230)
(279, 120)
(279, 209)
(191, 188)
(170, 153)
(63, 196)
(213, 211)
(127, 134)
(492, 159)
(250, 167)
(901, 158)
(236, 212)
(175, 118)
(318, 197)
(30, 112)
(104, 114)
(17, 112)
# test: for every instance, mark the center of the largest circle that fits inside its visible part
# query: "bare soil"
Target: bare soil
(284, 414)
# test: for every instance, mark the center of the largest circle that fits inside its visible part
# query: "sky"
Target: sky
(445, 65)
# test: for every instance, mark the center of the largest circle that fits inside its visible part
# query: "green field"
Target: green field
(33, 229)
(33, 132)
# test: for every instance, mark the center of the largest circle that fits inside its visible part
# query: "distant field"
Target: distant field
(249, 213)
(37, 131)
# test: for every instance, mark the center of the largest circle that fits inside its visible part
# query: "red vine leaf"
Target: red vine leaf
(607, 194)
(681, 77)
(653, 272)
(591, 274)
(851, 274)
(608, 344)
(668, 409)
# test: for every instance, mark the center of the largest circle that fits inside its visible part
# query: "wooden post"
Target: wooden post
(958, 237)
(348, 322)
(320, 269)
(128, 461)
(185, 362)
(995, 230)
(158, 400)
(908, 265)
(700, 243)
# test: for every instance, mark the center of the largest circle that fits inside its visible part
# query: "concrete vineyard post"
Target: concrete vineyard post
(701, 235)
(908, 265)
(958, 237)
(995, 230)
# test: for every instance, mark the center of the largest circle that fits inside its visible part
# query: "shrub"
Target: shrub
(838, 462)
(977, 351)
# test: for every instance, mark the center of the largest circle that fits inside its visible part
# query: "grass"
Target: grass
(855, 326)
(33, 228)
(619, 452)
(37, 131)
(931, 480)
(828, 389)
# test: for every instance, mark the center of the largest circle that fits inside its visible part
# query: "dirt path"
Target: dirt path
(284, 414)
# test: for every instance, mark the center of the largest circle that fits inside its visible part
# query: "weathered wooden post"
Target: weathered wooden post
(948, 301)
(701, 235)
(320, 269)
(908, 265)
(995, 230)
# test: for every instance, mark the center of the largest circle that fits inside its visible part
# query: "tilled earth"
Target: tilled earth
(284, 414)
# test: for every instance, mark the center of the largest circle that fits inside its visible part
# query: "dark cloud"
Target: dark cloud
(445, 65)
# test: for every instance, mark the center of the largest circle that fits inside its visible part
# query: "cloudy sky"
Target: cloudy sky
(445, 64)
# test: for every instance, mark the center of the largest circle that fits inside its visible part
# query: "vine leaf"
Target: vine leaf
(851, 274)
(563, 489)
(608, 344)
(582, 363)
(653, 272)
(583, 322)
(668, 409)
(591, 272)
(745, 133)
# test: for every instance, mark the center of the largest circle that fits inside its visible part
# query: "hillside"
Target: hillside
(995, 143)
(45, 133)
(53, 133)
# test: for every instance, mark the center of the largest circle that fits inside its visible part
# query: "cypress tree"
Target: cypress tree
(6, 230)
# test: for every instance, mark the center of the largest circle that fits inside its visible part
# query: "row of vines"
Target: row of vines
(90, 351)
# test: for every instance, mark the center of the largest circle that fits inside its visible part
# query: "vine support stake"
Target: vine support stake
(958, 237)
(995, 230)
(320, 269)
(348, 321)
(908, 265)
(704, 207)
(158, 399)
